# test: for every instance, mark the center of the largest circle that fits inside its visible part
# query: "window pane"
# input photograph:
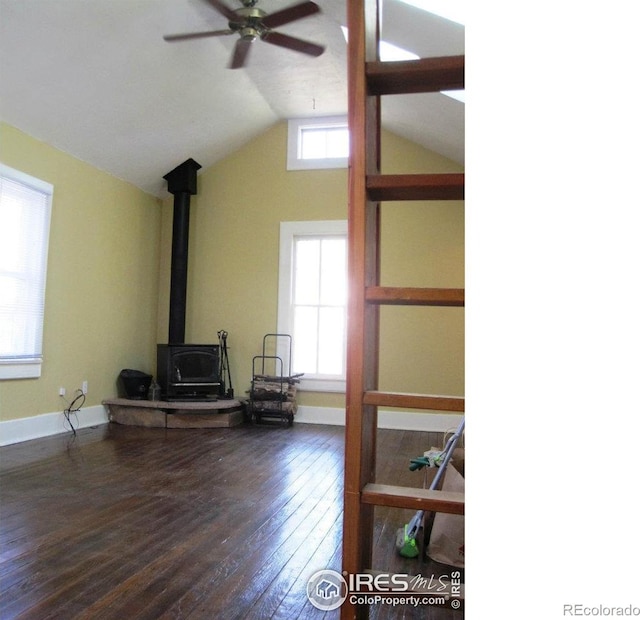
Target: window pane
(331, 336)
(334, 272)
(324, 142)
(338, 142)
(307, 271)
(16, 339)
(11, 234)
(305, 339)
(313, 144)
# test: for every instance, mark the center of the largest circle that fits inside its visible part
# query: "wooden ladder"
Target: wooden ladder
(369, 80)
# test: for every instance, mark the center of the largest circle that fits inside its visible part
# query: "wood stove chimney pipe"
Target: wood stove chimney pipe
(182, 183)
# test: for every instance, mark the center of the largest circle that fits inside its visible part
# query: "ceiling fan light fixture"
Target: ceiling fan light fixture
(249, 33)
(251, 23)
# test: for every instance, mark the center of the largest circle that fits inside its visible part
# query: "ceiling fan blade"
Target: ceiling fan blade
(293, 43)
(221, 7)
(240, 52)
(196, 35)
(298, 11)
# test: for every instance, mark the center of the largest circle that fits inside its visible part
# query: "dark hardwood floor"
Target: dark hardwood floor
(136, 523)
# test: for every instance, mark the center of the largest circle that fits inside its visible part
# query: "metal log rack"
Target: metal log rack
(273, 392)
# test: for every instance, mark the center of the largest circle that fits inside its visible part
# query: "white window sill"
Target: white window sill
(322, 385)
(20, 370)
(317, 164)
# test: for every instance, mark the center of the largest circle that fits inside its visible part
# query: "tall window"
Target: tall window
(313, 300)
(25, 208)
(318, 143)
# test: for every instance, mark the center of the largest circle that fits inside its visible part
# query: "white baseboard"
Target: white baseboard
(333, 416)
(401, 420)
(23, 429)
(34, 427)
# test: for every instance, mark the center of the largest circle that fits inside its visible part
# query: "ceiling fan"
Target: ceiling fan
(252, 23)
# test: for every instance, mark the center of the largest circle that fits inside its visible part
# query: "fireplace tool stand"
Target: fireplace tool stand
(225, 372)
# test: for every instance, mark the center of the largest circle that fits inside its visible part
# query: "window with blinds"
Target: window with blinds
(25, 210)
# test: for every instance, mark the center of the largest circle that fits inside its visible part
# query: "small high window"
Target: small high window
(318, 143)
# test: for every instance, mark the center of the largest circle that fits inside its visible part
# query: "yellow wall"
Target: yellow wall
(233, 252)
(422, 245)
(233, 261)
(102, 280)
(109, 266)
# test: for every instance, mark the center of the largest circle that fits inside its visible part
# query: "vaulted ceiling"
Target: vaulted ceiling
(95, 78)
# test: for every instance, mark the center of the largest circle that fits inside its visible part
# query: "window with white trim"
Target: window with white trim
(321, 142)
(25, 211)
(312, 301)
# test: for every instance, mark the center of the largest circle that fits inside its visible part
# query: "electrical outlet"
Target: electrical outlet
(85, 387)
(62, 391)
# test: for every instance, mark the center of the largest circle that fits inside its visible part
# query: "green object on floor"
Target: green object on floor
(406, 544)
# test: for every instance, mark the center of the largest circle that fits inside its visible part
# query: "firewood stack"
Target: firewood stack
(273, 396)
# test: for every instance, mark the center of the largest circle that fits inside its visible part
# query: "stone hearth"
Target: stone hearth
(179, 414)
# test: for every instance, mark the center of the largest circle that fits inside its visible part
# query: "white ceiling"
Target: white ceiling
(95, 79)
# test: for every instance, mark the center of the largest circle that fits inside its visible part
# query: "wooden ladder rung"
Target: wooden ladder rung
(444, 186)
(409, 296)
(417, 499)
(413, 401)
(425, 75)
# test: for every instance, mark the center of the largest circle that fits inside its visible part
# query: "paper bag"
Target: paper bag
(446, 543)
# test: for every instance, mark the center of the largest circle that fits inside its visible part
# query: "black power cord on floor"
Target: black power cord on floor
(74, 408)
